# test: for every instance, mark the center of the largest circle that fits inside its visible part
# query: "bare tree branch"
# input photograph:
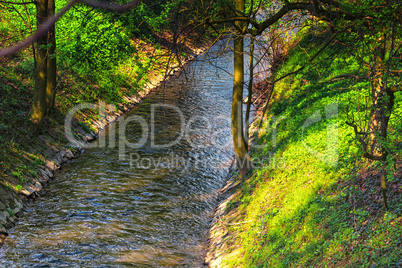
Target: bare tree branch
(17, 3)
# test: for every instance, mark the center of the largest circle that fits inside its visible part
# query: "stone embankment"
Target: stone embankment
(222, 244)
(219, 247)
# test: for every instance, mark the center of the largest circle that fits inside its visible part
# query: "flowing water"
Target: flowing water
(153, 208)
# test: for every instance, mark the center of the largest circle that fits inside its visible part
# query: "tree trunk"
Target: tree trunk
(39, 100)
(250, 91)
(241, 151)
(383, 99)
(377, 88)
(51, 61)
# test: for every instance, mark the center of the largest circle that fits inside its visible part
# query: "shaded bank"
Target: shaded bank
(29, 163)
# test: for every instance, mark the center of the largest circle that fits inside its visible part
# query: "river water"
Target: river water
(152, 208)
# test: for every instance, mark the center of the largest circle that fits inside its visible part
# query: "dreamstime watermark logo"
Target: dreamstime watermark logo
(197, 131)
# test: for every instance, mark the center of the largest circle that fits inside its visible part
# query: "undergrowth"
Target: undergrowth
(314, 201)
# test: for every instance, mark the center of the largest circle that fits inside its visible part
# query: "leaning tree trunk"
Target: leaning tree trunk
(241, 151)
(51, 61)
(39, 100)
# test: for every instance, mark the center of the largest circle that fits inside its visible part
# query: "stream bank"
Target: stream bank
(151, 208)
(297, 208)
(50, 151)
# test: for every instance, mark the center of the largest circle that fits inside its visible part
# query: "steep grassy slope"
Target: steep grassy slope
(314, 201)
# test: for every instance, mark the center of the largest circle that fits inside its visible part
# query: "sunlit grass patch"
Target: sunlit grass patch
(318, 208)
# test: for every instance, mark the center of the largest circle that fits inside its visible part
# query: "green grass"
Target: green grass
(301, 211)
(20, 152)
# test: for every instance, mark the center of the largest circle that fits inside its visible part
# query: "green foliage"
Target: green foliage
(17, 20)
(307, 213)
(18, 187)
(84, 127)
(18, 173)
(104, 52)
(97, 42)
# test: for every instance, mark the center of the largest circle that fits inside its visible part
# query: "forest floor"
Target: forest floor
(28, 162)
(298, 208)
